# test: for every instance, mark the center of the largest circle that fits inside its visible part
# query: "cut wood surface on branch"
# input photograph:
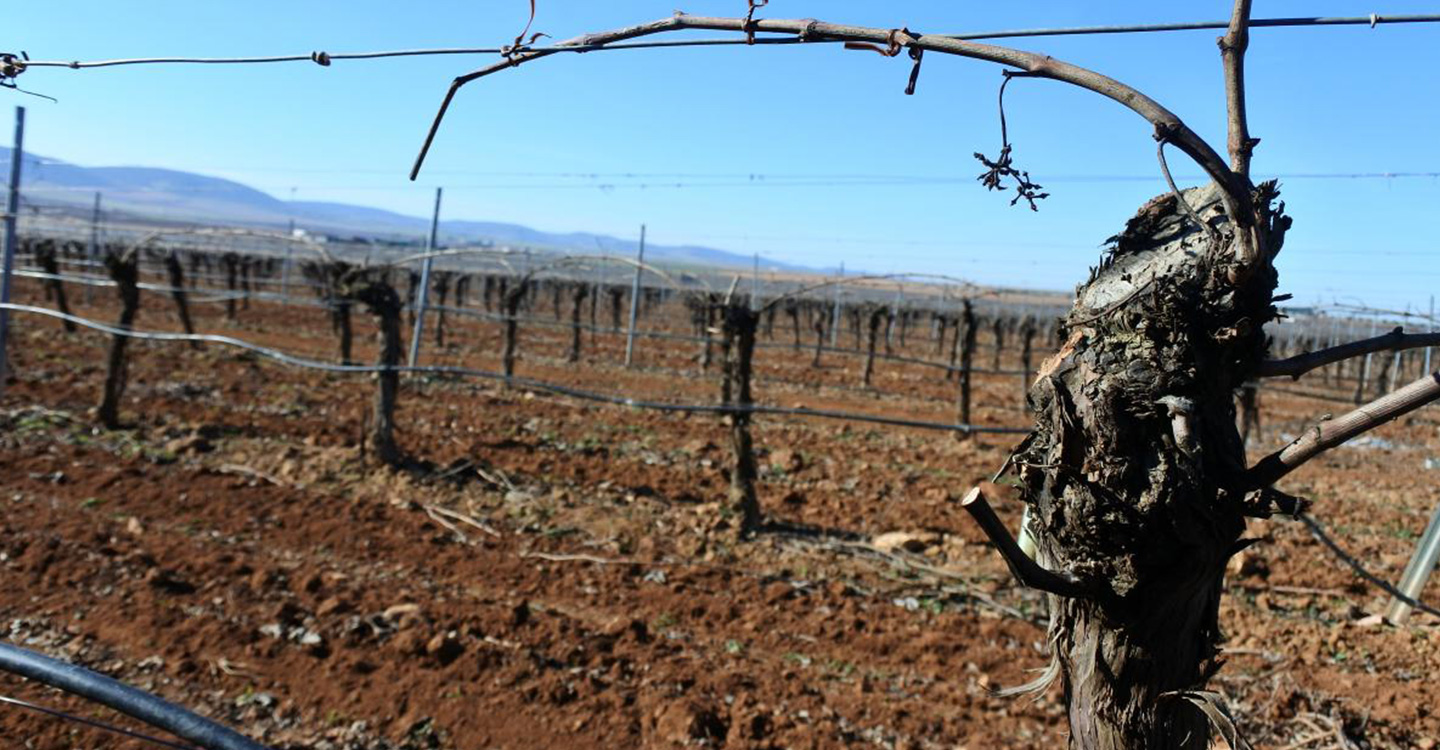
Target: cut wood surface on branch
(1167, 125)
(1026, 571)
(1395, 340)
(1331, 433)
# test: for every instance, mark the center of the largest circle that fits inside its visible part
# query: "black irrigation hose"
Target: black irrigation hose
(537, 385)
(127, 700)
(93, 723)
(1319, 533)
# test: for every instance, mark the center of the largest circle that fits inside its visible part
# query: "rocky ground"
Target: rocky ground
(547, 572)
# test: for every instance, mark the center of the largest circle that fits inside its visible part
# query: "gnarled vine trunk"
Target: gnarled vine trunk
(738, 326)
(384, 302)
(176, 274)
(45, 256)
(874, 316)
(579, 291)
(124, 268)
(1135, 473)
(821, 328)
(231, 262)
(965, 330)
(510, 300)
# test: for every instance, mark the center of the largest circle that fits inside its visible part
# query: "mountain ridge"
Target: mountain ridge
(177, 195)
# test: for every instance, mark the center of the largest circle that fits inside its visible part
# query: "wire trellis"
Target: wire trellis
(323, 58)
(529, 383)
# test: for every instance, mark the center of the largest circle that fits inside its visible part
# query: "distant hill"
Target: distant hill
(171, 195)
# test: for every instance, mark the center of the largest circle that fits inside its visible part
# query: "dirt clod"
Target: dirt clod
(444, 648)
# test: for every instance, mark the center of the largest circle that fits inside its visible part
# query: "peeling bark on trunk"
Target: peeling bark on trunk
(1134, 476)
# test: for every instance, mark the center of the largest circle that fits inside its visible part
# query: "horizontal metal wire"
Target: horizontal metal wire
(1372, 20)
(215, 296)
(380, 54)
(219, 295)
(210, 295)
(533, 320)
(522, 382)
(324, 58)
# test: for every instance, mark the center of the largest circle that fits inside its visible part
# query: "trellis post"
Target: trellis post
(423, 298)
(12, 208)
(635, 300)
(1422, 563)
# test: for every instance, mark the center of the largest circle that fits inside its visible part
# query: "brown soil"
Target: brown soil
(235, 551)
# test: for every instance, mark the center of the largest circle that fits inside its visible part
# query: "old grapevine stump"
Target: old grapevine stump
(1135, 472)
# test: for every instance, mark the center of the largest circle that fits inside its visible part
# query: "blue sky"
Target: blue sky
(1329, 100)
